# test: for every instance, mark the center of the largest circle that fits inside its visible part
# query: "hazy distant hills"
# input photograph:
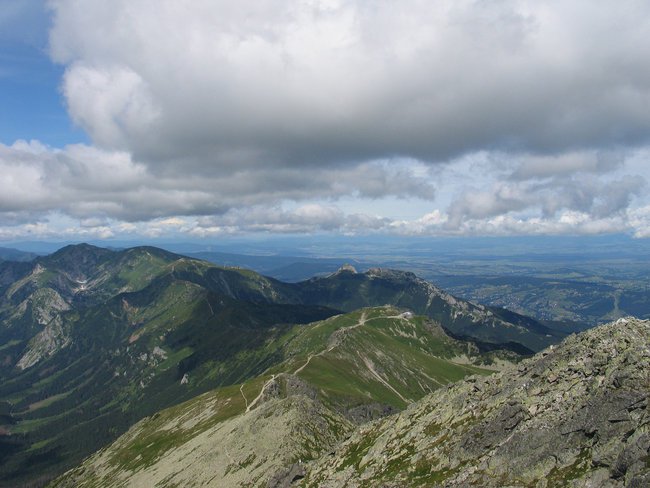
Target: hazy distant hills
(93, 340)
(10, 254)
(283, 268)
(575, 284)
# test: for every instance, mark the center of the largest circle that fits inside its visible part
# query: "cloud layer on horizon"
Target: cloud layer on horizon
(261, 117)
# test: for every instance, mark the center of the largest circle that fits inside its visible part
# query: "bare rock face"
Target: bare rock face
(368, 412)
(573, 415)
(346, 268)
(46, 305)
(47, 342)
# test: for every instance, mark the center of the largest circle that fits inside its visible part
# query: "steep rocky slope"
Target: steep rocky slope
(574, 415)
(33, 295)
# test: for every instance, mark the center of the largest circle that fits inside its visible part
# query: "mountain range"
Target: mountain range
(93, 340)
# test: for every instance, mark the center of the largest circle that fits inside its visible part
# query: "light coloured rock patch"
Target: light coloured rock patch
(51, 339)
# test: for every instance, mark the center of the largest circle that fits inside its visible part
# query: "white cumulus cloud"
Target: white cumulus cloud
(263, 116)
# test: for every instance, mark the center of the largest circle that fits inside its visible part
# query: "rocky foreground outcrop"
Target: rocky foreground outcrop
(573, 415)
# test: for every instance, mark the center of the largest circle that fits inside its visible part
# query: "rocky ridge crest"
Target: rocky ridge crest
(573, 415)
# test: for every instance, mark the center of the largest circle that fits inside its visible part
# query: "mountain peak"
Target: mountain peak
(346, 268)
(77, 259)
(79, 251)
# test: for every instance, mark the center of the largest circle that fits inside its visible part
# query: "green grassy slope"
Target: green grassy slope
(377, 355)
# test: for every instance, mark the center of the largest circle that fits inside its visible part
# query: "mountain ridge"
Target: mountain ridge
(573, 415)
(350, 290)
(133, 331)
(337, 373)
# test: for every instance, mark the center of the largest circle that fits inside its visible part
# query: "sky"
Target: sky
(205, 119)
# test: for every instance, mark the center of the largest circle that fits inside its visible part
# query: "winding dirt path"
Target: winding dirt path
(257, 398)
(362, 320)
(241, 390)
(306, 363)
